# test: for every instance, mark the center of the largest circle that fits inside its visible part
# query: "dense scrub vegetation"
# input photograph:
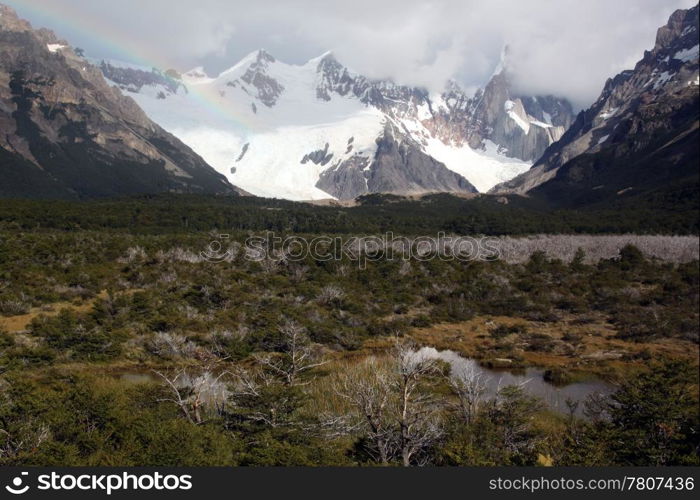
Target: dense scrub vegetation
(374, 214)
(129, 348)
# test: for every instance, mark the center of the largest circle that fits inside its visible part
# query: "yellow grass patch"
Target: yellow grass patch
(21, 322)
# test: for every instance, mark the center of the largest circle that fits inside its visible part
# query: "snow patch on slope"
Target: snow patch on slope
(663, 78)
(54, 47)
(484, 169)
(608, 113)
(686, 55)
(540, 124)
(510, 108)
(273, 164)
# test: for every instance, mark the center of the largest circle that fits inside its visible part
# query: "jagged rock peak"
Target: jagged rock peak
(682, 22)
(262, 56)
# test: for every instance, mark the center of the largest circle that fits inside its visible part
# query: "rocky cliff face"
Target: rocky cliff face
(639, 133)
(523, 126)
(133, 79)
(398, 166)
(64, 132)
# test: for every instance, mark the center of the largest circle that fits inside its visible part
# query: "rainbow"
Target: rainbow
(70, 17)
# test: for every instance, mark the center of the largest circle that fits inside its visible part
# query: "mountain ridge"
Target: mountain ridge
(288, 113)
(638, 135)
(68, 134)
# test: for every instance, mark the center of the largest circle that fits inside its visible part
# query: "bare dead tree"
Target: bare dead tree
(393, 407)
(330, 294)
(260, 397)
(332, 426)
(298, 273)
(172, 346)
(196, 396)
(597, 247)
(419, 418)
(469, 385)
(298, 355)
(368, 389)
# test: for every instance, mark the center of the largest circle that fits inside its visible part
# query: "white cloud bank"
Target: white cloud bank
(562, 47)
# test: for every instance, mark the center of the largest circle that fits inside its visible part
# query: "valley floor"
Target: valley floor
(114, 344)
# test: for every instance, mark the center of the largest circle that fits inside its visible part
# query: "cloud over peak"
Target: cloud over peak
(563, 47)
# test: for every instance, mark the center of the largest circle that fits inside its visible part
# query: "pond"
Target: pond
(532, 380)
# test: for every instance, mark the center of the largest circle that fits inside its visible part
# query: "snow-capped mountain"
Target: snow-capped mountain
(640, 134)
(319, 130)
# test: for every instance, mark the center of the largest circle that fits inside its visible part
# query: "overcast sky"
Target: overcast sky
(561, 47)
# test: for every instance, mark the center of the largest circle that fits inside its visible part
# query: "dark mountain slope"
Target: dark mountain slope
(640, 136)
(65, 133)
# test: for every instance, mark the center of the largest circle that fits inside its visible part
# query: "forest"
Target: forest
(670, 211)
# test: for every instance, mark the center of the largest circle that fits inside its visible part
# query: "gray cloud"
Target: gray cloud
(563, 47)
